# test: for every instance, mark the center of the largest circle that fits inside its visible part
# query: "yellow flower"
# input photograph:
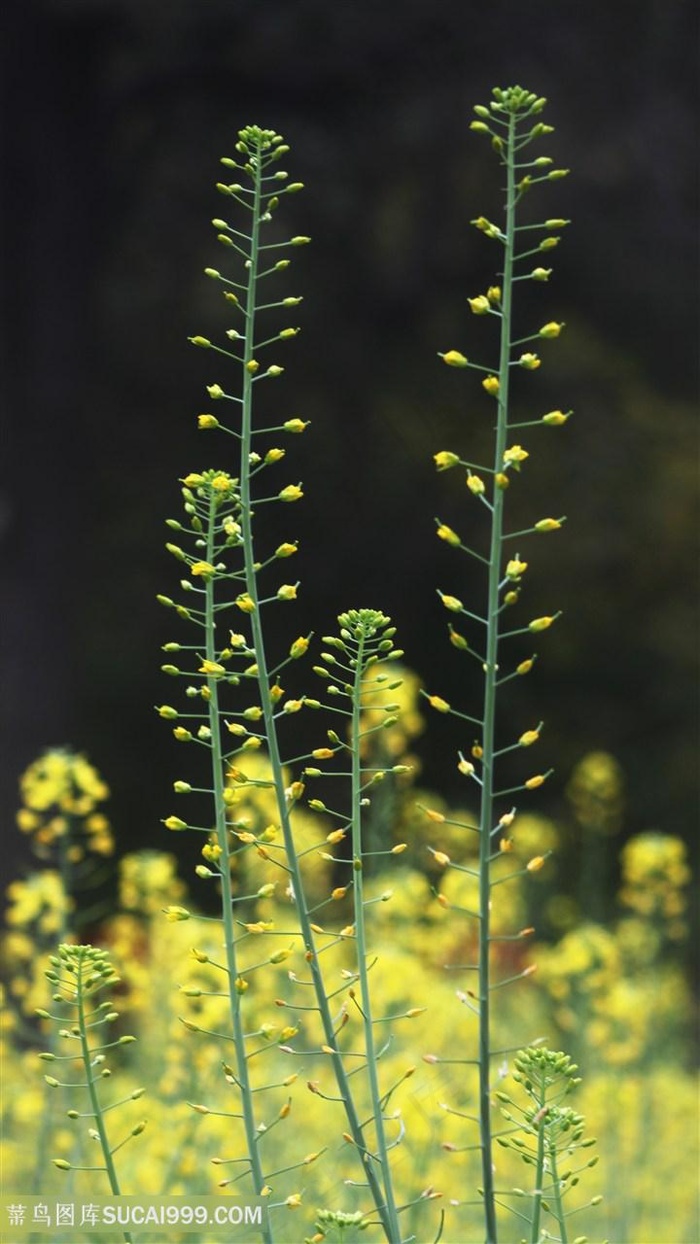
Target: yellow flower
(299, 647)
(291, 493)
(515, 455)
(528, 738)
(548, 524)
(485, 226)
(552, 329)
(445, 459)
(555, 417)
(212, 668)
(295, 425)
(453, 358)
(515, 568)
(448, 535)
(437, 702)
(540, 624)
(245, 603)
(451, 603)
(203, 569)
(175, 823)
(207, 421)
(480, 305)
(491, 384)
(288, 591)
(529, 361)
(475, 484)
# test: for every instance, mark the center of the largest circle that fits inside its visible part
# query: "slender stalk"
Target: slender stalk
(86, 1055)
(486, 822)
(392, 1220)
(269, 716)
(556, 1195)
(537, 1192)
(226, 891)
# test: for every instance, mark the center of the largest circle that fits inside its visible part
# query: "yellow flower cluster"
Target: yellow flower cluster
(60, 794)
(655, 875)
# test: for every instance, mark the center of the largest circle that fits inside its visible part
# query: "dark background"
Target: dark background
(115, 113)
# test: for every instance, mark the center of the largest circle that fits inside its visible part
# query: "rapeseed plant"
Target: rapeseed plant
(314, 1054)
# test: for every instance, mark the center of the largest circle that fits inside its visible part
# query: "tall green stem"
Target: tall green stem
(556, 1195)
(269, 715)
(92, 1089)
(489, 718)
(226, 890)
(361, 942)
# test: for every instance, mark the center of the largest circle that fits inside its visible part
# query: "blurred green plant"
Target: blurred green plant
(78, 974)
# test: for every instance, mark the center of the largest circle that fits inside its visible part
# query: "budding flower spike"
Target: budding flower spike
(239, 706)
(511, 122)
(78, 974)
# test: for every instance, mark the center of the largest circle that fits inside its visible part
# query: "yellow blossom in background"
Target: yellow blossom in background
(60, 794)
(64, 779)
(148, 881)
(596, 793)
(655, 874)
(39, 901)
